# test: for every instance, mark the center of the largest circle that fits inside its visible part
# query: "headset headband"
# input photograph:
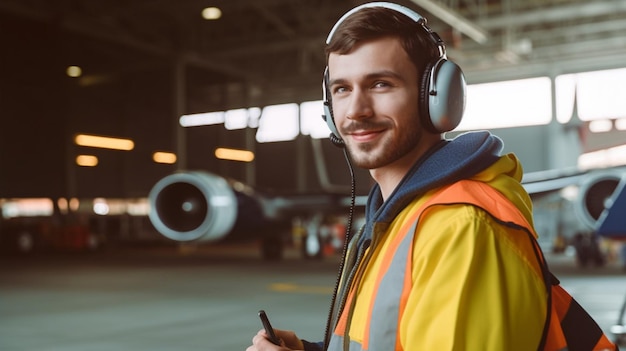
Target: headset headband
(406, 11)
(416, 17)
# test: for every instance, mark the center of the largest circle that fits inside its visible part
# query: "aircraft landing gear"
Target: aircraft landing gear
(588, 250)
(25, 242)
(312, 247)
(272, 248)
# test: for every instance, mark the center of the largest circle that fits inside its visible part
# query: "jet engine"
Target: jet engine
(193, 206)
(200, 206)
(595, 190)
(594, 193)
(567, 207)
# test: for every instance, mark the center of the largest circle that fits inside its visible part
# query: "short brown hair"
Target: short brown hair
(376, 22)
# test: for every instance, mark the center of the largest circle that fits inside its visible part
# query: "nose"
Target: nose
(359, 105)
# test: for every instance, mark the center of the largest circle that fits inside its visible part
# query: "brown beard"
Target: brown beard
(386, 151)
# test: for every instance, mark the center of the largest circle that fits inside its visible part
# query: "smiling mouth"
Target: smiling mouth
(365, 131)
(364, 136)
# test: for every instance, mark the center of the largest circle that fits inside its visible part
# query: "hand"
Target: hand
(289, 341)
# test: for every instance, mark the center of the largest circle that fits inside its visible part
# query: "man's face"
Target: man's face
(375, 103)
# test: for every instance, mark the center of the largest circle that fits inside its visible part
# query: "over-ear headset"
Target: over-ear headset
(442, 89)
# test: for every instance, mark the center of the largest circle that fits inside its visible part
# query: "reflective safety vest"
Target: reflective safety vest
(568, 327)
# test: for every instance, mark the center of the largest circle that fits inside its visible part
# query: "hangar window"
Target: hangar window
(202, 119)
(278, 123)
(26, 207)
(599, 95)
(615, 156)
(311, 122)
(254, 114)
(513, 103)
(236, 119)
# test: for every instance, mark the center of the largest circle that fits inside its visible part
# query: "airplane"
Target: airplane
(568, 202)
(569, 206)
(199, 206)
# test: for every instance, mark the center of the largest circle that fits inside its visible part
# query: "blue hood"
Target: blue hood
(447, 162)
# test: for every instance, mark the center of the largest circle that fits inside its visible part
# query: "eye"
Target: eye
(339, 89)
(381, 84)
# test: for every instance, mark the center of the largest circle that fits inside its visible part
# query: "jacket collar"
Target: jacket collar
(447, 162)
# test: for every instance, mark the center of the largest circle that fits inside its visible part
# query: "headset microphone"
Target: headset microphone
(337, 141)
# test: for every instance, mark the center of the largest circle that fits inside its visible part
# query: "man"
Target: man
(459, 278)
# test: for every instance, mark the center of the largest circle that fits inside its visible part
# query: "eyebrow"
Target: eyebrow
(371, 76)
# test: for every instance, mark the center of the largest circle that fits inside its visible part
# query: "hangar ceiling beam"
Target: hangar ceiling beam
(555, 14)
(454, 19)
(282, 27)
(113, 34)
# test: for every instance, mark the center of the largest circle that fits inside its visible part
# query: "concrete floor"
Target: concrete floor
(202, 299)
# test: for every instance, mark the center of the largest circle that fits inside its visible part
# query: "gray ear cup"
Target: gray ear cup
(442, 96)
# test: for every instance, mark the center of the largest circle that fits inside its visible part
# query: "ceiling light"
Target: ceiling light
(86, 160)
(164, 157)
(211, 13)
(234, 155)
(104, 142)
(73, 71)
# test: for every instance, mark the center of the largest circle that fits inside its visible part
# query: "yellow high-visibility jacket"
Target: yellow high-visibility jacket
(456, 279)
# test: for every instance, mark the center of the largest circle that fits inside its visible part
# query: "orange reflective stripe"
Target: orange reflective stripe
(576, 326)
(560, 300)
(483, 195)
(605, 344)
(555, 340)
(340, 329)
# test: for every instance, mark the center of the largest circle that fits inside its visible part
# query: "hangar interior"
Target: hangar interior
(145, 63)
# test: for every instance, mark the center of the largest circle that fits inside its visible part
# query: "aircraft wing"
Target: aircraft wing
(547, 181)
(201, 206)
(571, 201)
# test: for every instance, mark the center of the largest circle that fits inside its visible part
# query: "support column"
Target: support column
(564, 146)
(301, 156)
(178, 109)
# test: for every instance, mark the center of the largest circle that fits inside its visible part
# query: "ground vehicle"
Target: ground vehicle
(28, 234)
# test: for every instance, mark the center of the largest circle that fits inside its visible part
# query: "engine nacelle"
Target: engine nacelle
(564, 207)
(611, 222)
(594, 192)
(189, 206)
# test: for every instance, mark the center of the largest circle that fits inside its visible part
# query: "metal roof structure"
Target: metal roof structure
(271, 51)
(147, 62)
